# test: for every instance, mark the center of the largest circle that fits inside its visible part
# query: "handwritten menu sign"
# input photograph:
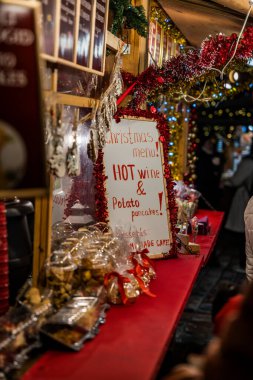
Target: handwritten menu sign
(84, 36)
(135, 186)
(67, 28)
(49, 16)
(99, 37)
(21, 131)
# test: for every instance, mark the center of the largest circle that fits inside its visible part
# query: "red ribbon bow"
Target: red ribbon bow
(141, 283)
(147, 263)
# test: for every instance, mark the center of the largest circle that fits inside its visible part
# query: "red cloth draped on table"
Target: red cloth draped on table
(4, 268)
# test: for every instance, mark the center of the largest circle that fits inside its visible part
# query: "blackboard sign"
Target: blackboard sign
(84, 36)
(99, 38)
(67, 29)
(22, 155)
(135, 186)
(49, 18)
(74, 33)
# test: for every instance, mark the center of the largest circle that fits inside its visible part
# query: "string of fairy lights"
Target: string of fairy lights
(158, 14)
(177, 119)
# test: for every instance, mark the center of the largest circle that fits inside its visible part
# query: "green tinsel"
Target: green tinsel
(128, 16)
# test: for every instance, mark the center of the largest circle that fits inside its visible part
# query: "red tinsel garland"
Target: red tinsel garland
(100, 190)
(4, 262)
(101, 200)
(213, 54)
(128, 78)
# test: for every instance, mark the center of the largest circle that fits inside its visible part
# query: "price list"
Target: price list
(99, 38)
(67, 28)
(84, 35)
(49, 16)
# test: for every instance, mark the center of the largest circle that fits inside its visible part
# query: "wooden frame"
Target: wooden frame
(55, 58)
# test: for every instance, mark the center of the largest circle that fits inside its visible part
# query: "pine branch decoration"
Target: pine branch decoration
(128, 16)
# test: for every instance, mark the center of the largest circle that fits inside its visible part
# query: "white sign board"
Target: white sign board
(136, 189)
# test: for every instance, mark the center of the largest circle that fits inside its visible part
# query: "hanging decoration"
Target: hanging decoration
(56, 155)
(158, 14)
(103, 115)
(72, 157)
(100, 190)
(125, 15)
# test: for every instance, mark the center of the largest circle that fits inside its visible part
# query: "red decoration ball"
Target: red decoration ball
(160, 80)
(153, 109)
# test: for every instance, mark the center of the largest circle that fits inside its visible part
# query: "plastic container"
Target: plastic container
(60, 270)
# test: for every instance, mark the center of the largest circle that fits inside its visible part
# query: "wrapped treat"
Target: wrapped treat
(63, 336)
(95, 264)
(60, 271)
(104, 228)
(143, 266)
(117, 251)
(121, 288)
(194, 227)
(74, 323)
(60, 232)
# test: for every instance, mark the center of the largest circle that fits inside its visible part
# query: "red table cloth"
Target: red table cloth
(207, 242)
(132, 343)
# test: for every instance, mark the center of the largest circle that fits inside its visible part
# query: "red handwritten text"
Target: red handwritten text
(122, 203)
(123, 172)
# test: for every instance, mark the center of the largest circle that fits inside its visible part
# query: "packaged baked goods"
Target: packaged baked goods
(18, 336)
(74, 323)
(122, 288)
(143, 266)
(95, 264)
(60, 232)
(60, 270)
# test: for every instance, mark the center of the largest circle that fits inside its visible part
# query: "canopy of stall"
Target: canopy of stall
(197, 19)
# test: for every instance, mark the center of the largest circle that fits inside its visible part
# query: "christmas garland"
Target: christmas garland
(179, 74)
(129, 17)
(99, 170)
(101, 211)
(157, 14)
